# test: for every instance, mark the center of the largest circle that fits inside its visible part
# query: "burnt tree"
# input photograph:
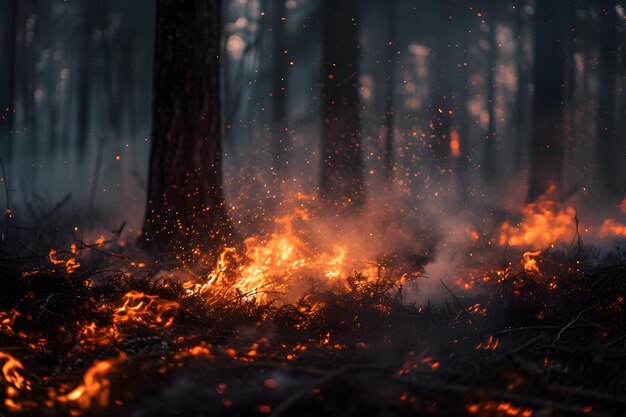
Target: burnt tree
(342, 180)
(546, 147)
(185, 208)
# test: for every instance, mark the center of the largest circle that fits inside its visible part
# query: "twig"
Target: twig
(571, 323)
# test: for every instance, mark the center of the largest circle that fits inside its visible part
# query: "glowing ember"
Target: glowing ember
(492, 343)
(498, 409)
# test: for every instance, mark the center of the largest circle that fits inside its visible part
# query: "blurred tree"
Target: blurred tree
(490, 139)
(185, 208)
(84, 78)
(342, 180)
(443, 100)
(389, 89)
(280, 64)
(521, 114)
(546, 148)
(7, 77)
(607, 70)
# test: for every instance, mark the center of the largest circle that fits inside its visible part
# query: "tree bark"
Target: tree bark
(185, 208)
(546, 148)
(342, 182)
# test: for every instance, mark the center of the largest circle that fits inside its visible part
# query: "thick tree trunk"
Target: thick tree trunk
(280, 64)
(342, 180)
(546, 148)
(185, 208)
(607, 138)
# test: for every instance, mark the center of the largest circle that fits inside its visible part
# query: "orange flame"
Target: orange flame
(275, 264)
(94, 390)
(492, 343)
(545, 222)
(71, 264)
(12, 371)
(140, 307)
(611, 227)
(530, 263)
(455, 144)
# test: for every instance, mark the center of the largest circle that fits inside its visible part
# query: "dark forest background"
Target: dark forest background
(466, 102)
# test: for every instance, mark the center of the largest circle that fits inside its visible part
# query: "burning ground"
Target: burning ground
(289, 324)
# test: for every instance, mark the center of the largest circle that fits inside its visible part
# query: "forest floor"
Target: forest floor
(93, 339)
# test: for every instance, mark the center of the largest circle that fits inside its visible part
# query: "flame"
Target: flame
(71, 264)
(7, 320)
(12, 376)
(455, 144)
(498, 409)
(545, 222)
(277, 263)
(611, 227)
(492, 343)
(12, 371)
(530, 263)
(143, 308)
(94, 390)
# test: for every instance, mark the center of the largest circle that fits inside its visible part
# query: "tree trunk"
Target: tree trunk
(490, 146)
(607, 139)
(342, 180)
(546, 148)
(443, 96)
(84, 78)
(185, 208)
(280, 64)
(390, 90)
(522, 95)
(7, 94)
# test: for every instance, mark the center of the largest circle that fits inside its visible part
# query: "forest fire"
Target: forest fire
(312, 208)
